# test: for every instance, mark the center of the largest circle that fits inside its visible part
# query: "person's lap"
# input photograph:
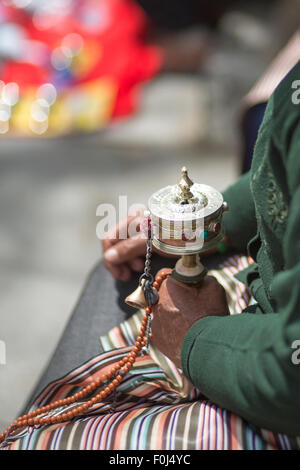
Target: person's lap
(100, 307)
(79, 359)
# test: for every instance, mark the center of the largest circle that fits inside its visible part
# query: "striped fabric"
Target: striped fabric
(155, 407)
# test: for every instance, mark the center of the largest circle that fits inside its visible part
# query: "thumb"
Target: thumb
(126, 250)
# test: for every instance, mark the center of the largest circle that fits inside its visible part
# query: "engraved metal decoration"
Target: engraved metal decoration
(185, 220)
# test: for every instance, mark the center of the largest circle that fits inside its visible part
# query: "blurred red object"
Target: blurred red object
(93, 53)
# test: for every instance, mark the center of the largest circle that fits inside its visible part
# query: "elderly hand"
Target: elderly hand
(121, 254)
(179, 307)
(124, 255)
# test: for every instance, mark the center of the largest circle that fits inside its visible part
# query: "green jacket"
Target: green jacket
(245, 363)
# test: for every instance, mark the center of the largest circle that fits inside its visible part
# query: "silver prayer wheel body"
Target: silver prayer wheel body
(186, 218)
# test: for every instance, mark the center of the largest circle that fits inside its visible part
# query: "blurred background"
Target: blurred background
(100, 99)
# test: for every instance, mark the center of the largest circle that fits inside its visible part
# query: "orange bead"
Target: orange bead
(148, 309)
(159, 279)
(156, 285)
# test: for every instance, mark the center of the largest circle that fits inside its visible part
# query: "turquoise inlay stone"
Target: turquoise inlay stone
(204, 234)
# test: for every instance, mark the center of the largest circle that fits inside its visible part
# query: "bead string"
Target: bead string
(110, 381)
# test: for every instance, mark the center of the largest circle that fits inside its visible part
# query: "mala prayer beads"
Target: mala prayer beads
(109, 382)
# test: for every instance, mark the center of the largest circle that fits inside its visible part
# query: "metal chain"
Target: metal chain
(145, 349)
(146, 274)
(150, 293)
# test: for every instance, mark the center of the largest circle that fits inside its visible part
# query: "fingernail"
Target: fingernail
(111, 255)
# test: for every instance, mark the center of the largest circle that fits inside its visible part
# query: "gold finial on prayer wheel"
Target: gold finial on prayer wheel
(185, 183)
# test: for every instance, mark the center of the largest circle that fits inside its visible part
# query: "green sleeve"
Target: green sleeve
(244, 362)
(239, 222)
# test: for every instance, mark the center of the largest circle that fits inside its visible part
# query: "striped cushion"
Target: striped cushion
(155, 407)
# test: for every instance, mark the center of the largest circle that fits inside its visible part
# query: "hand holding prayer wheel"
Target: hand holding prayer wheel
(179, 307)
(186, 223)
